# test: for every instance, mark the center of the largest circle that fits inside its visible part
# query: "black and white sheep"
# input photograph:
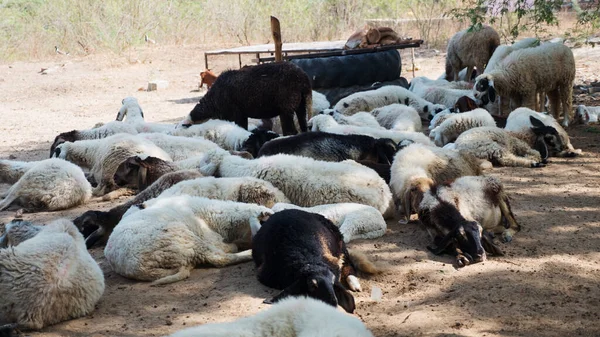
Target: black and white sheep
(304, 254)
(262, 91)
(461, 216)
(106, 130)
(291, 317)
(333, 147)
(46, 274)
(456, 124)
(163, 239)
(49, 185)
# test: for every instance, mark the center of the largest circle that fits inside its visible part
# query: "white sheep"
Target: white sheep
(519, 124)
(355, 221)
(446, 96)
(49, 185)
(104, 156)
(417, 167)
(359, 119)
(12, 170)
(319, 102)
(167, 237)
(525, 73)
(470, 49)
(227, 135)
(179, 148)
(398, 117)
(586, 114)
(372, 99)
(439, 118)
(290, 317)
(420, 83)
(97, 132)
(498, 146)
(326, 123)
(132, 112)
(244, 189)
(305, 181)
(456, 124)
(46, 274)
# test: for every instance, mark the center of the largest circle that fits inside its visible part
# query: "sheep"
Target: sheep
(445, 96)
(456, 124)
(179, 148)
(421, 83)
(262, 91)
(227, 135)
(417, 167)
(533, 127)
(355, 221)
(46, 274)
(333, 147)
(96, 226)
(305, 181)
(369, 100)
(326, 123)
(104, 156)
(498, 146)
(207, 77)
(359, 119)
(470, 49)
(460, 216)
(290, 317)
(524, 73)
(135, 116)
(12, 170)
(49, 185)
(167, 237)
(586, 114)
(319, 102)
(398, 117)
(303, 253)
(108, 129)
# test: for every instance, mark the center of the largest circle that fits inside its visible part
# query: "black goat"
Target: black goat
(262, 91)
(304, 254)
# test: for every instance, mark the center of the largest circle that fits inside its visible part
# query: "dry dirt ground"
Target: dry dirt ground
(547, 284)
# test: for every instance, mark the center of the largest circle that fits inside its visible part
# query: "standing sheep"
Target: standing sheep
(50, 185)
(470, 49)
(167, 237)
(46, 275)
(262, 91)
(524, 73)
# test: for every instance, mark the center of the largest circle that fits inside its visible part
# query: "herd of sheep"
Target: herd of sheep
(234, 181)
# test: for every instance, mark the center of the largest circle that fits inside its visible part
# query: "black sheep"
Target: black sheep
(262, 91)
(304, 254)
(333, 147)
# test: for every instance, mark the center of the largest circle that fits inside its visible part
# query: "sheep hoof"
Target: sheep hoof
(537, 165)
(353, 283)
(461, 260)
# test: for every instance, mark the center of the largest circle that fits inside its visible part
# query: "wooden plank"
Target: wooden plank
(299, 47)
(276, 31)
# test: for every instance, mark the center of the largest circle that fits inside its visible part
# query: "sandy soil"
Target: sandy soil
(546, 285)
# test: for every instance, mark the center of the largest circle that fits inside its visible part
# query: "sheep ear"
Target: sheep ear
(93, 238)
(541, 147)
(536, 123)
(492, 94)
(344, 297)
(296, 288)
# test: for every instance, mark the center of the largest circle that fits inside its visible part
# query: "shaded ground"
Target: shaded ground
(546, 285)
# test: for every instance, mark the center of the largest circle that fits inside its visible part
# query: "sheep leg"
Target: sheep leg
(287, 124)
(508, 216)
(182, 274)
(469, 73)
(11, 196)
(121, 192)
(566, 94)
(218, 258)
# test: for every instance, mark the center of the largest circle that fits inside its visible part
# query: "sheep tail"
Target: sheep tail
(364, 264)
(182, 274)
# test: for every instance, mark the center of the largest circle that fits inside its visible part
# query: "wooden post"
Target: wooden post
(276, 31)
(205, 61)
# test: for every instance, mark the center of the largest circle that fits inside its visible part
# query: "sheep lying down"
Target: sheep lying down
(163, 239)
(46, 275)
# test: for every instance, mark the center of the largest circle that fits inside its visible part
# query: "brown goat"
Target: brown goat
(207, 77)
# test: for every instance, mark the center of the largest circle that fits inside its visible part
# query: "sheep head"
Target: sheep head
(466, 237)
(547, 138)
(70, 136)
(484, 89)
